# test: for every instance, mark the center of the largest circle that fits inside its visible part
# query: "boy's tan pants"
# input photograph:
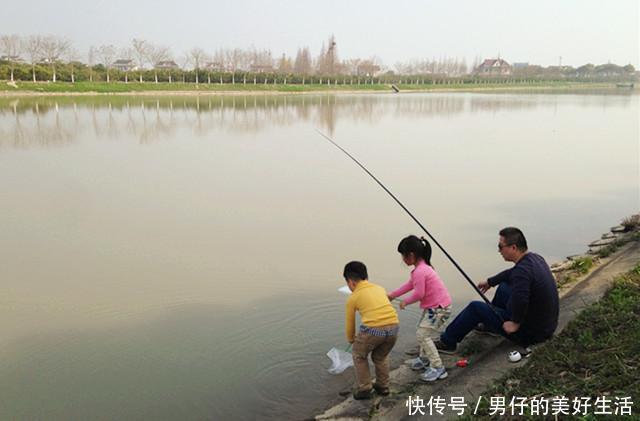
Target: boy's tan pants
(379, 347)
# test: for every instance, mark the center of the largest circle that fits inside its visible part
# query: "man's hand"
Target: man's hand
(484, 286)
(510, 327)
(390, 298)
(402, 305)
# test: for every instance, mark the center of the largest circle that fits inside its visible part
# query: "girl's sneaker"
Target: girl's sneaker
(433, 374)
(417, 364)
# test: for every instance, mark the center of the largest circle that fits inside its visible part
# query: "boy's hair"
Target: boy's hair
(513, 236)
(355, 271)
(420, 247)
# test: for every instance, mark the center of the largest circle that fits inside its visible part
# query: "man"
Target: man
(526, 299)
(378, 331)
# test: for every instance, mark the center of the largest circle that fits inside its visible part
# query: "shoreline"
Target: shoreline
(208, 90)
(487, 354)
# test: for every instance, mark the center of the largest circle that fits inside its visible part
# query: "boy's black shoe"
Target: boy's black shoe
(382, 391)
(445, 348)
(363, 394)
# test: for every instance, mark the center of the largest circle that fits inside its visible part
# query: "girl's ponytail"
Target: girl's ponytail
(420, 247)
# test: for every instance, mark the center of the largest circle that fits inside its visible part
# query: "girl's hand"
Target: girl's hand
(402, 305)
(390, 298)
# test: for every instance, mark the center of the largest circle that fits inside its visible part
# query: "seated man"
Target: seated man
(526, 299)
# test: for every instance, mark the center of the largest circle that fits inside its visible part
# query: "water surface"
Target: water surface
(178, 258)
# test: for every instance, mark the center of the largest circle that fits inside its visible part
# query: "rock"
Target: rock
(578, 256)
(618, 228)
(608, 235)
(561, 266)
(603, 242)
(595, 249)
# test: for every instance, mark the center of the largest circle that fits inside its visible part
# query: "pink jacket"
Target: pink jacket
(427, 288)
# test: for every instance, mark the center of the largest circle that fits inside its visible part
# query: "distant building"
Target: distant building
(367, 69)
(166, 65)
(494, 67)
(214, 66)
(15, 59)
(262, 68)
(520, 65)
(124, 65)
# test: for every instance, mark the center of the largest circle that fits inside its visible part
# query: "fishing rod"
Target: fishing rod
(416, 221)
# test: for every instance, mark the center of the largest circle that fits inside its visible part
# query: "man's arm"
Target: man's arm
(503, 276)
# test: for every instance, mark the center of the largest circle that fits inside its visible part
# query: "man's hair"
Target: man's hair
(513, 236)
(356, 271)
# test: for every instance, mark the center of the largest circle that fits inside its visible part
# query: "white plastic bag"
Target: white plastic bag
(340, 360)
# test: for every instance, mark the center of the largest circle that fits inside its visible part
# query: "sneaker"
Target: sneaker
(417, 364)
(363, 394)
(445, 348)
(433, 374)
(380, 390)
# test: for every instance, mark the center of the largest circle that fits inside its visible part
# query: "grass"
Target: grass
(121, 87)
(582, 265)
(609, 249)
(597, 355)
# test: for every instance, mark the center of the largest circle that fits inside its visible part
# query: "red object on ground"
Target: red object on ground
(462, 363)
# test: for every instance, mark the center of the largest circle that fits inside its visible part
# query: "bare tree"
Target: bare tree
(196, 56)
(107, 54)
(72, 56)
(33, 47)
(284, 64)
(302, 64)
(91, 58)
(10, 46)
(156, 54)
(233, 58)
(127, 53)
(53, 48)
(141, 53)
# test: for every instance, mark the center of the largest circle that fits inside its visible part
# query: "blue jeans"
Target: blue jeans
(480, 312)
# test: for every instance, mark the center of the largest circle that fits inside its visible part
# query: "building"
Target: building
(125, 65)
(494, 67)
(15, 59)
(166, 65)
(262, 68)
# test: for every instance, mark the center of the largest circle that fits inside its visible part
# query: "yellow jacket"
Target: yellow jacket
(374, 307)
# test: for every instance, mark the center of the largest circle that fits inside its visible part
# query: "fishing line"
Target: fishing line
(416, 221)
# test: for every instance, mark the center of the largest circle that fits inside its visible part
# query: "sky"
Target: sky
(545, 32)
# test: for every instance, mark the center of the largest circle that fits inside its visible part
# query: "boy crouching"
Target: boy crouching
(378, 331)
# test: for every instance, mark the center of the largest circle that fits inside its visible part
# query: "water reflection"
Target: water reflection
(58, 121)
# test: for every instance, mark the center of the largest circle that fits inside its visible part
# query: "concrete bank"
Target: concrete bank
(488, 354)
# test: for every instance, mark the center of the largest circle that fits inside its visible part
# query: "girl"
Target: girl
(435, 302)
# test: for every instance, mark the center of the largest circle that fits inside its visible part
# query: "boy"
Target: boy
(378, 331)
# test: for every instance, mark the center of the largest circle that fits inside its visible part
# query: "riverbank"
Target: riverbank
(487, 355)
(177, 89)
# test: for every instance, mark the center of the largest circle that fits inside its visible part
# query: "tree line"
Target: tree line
(38, 58)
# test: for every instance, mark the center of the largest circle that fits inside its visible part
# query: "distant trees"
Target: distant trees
(32, 45)
(52, 48)
(53, 58)
(107, 54)
(10, 47)
(196, 57)
(141, 53)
